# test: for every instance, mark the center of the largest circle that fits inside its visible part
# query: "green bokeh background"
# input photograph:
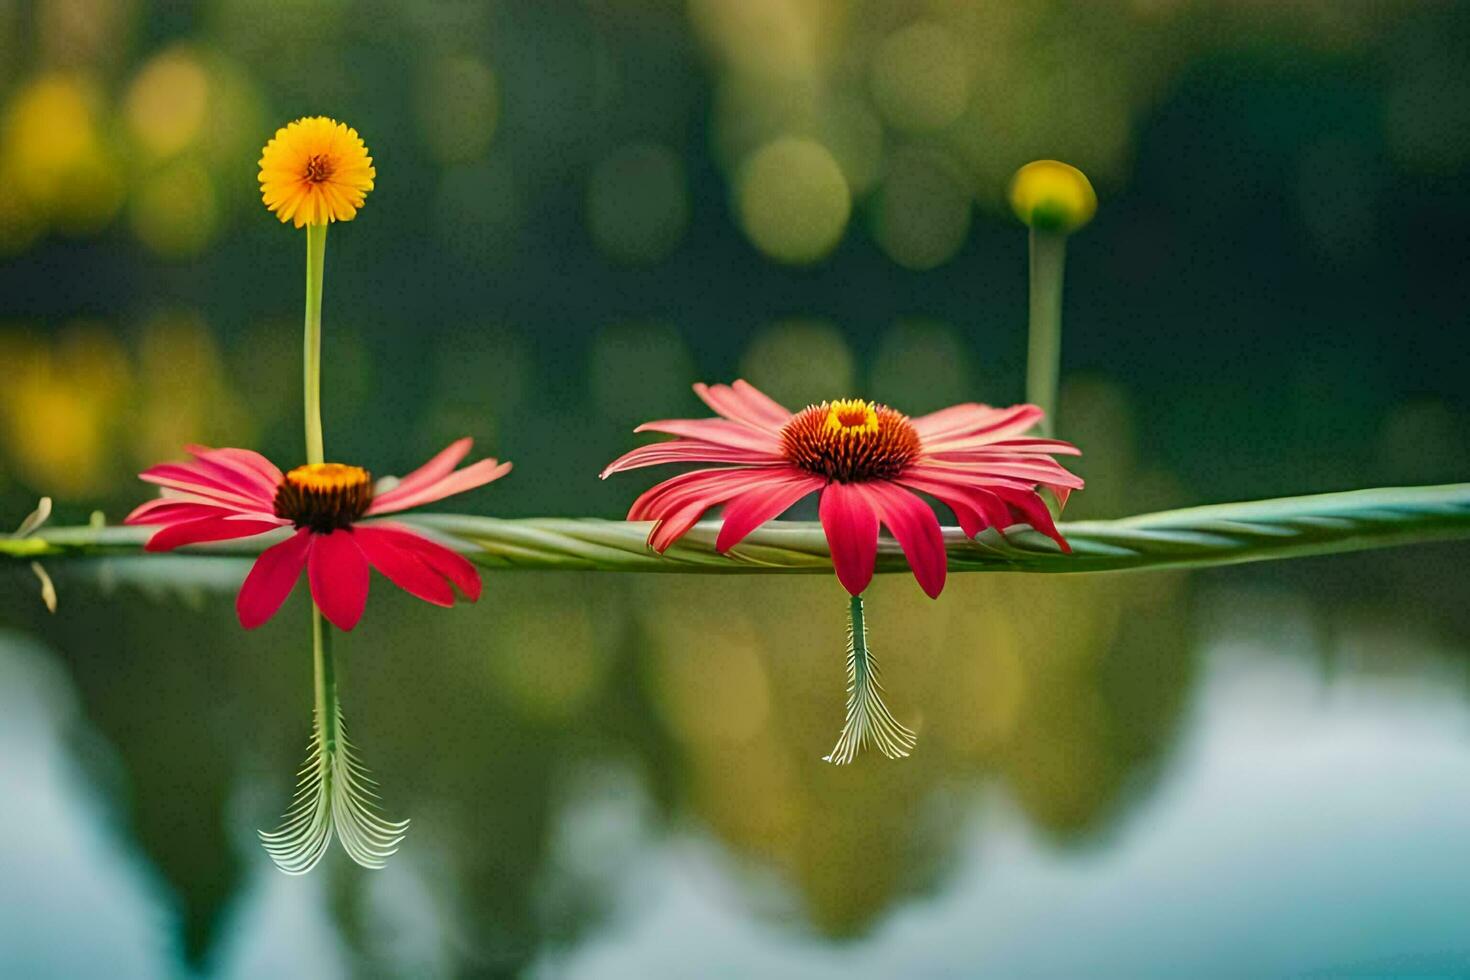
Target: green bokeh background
(581, 208)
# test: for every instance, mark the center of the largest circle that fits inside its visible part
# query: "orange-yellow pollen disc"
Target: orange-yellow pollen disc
(852, 415)
(318, 168)
(850, 440)
(324, 496)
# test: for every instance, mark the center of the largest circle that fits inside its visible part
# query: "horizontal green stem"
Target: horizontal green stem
(1219, 534)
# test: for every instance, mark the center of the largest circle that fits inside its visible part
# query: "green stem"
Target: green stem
(859, 636)
(325, 669)
(326, 683)
(316, 253)
(1044, 353)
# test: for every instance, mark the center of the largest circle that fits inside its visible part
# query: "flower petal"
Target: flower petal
(437, 468)
(172, 510)
(707, 487)
(959, 499)
(207, 529)
(913, 523)
(687, 451)
(338, 573)
(972, 420)
(472, 476)
(440, 559)
(759, 403)
(851, 526)
(401, 566)
(247, 479)
(271, 579)
(244, 459)
(733, 404)
(191, 478)
(721, 431)
(1033, 511)
(765, 501)
(1037, 469)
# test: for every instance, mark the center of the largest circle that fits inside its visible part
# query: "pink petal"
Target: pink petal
(966, 474)
(338, 574)
(712, 486)
(734, 405)
(249, 478)
(242, 459)
(437, 468)
(972, 420)
(191, 478)
(677, 503)
(1041, 470)
(206, 529)
(851, 526)
(721, 431)
(452, 566)
(958, 499)
(171, 510)
(764, 502)
(673, 526)
(911, 521)
(401, 566)
(271, 579)
(990, 510)
(1034, 512)
(759, 403)
(687, 451)
(472, 476)
(1056, 447)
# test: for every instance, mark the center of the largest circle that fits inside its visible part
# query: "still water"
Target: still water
(1246, 772)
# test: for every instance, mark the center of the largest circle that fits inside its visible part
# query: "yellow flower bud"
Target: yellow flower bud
(1052, 196)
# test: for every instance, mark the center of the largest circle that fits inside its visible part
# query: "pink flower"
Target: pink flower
(235, 493)
(868, 462)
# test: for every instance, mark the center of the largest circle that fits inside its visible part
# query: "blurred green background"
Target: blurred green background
(582, 207)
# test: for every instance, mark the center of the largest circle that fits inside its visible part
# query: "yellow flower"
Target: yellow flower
(314, 171)
(1052, 196)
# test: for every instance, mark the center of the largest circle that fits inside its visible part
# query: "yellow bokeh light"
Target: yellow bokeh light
(793, 201)
(51, 147)
(167, 103)
(61, 407)
(921, 77)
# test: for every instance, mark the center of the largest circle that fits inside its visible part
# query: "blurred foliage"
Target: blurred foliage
(583, 206)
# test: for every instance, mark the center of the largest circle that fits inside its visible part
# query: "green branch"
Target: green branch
(1220, 534)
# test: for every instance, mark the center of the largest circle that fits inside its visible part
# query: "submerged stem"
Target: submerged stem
(316, 253)
(1044, 351)
(868, 718)
(325, 671)
(334, 794)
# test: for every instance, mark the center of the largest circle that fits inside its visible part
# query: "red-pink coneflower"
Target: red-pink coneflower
(236, 493)
(869, 462)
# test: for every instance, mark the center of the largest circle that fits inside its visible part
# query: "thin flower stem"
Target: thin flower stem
(1044, 352)
(316, 252)
(325, 670)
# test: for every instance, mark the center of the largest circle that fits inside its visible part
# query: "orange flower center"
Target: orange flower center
(318, 168)
(324, 496)
(850, 441)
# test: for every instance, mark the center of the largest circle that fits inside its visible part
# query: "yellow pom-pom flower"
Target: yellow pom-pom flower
(314, 171)
(1052, 196)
